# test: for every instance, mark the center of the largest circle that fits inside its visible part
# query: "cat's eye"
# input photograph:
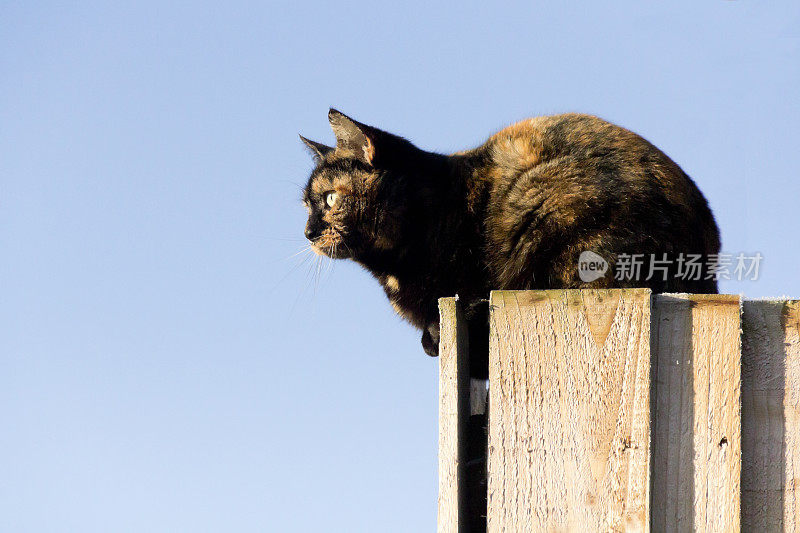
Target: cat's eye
(331, 198)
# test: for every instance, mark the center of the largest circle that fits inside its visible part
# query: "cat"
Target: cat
(516, 212)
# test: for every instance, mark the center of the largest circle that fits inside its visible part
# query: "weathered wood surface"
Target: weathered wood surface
(771, 416)
(570, 432)
(454, 410)
(569, 412)
(697, 417)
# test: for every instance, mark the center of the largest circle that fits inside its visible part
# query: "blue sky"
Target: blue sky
(165, 365)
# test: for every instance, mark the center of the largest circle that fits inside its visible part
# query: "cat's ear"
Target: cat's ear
(353, 136)
(318, 150)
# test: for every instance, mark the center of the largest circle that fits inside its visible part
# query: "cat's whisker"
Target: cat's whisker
(349, 251)
(318, 266)
(302, 261)
(306, 249)
(303, 291)
(329, 266)
(321, 271)
(309, 277)
(287, 239)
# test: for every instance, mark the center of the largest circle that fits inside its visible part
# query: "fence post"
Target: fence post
(569, 415)
(697, 418)
(771, 416)
(453, 416)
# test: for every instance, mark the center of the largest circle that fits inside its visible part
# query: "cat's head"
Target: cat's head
(358, 193)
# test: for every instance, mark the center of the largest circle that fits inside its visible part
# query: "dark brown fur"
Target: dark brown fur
(514, 213)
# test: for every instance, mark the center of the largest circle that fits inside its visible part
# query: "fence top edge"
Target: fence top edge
(667, 297)
(773, 299)
(551, 292)
(529, 297)
(683, 298)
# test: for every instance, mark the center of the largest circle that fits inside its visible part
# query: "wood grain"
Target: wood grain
(771, 416)
(697, 417)
(569, 413)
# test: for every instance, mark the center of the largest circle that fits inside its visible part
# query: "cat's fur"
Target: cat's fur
(513, 213)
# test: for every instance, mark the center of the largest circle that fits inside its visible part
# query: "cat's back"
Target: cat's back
(569, 135)
(583, 158)
(561, 184)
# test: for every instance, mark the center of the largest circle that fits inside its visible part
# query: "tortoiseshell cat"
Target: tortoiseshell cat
(513, 213)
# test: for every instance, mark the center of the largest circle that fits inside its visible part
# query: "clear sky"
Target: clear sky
(166, 364)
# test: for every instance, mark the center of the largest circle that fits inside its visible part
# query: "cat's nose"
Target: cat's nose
(310, 233)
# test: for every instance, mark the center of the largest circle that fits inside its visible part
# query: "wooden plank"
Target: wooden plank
(771, 416)
(697, 417)
(454, 409)
(569, 413)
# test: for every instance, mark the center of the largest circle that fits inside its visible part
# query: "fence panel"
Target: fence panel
(697, 417)
(612, 410)
(569, 414)
(771, 416)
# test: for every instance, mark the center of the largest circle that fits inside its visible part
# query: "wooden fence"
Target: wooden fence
(618, 410)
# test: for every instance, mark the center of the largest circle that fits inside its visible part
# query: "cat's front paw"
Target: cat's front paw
(430, 340)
